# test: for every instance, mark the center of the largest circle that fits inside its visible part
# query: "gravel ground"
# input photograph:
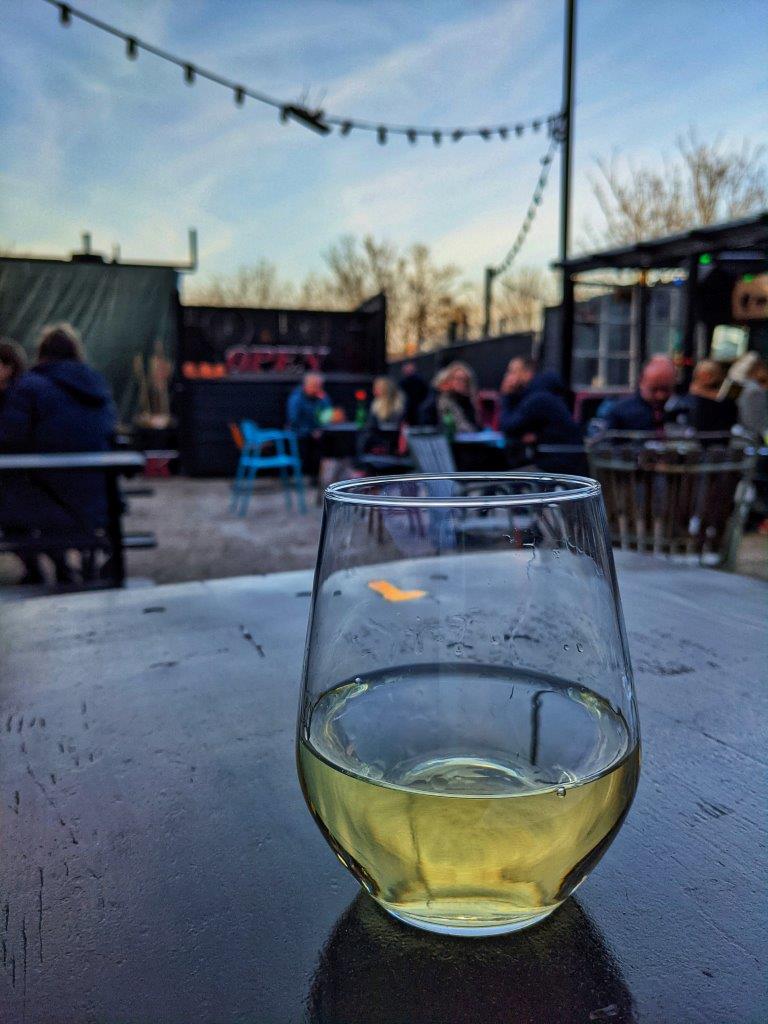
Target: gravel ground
(199, 538)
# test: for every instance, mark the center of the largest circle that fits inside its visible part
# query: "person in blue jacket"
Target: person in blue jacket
(645, 410)
(61, 405)
(305, 404)
(532, 412)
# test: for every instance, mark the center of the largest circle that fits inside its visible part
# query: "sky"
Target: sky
(126, 150)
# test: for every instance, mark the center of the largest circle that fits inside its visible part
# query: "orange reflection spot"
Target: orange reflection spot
(392, 593)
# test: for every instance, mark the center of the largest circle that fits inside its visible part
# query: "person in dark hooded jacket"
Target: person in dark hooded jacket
(61, 405)
(532, 410)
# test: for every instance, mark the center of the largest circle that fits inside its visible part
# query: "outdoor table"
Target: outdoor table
(158, 864)
(485, 452)
(113, 464)
(339, 440)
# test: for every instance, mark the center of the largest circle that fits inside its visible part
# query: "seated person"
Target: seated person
(452, 403)
(61, 405)
(385, 416)
(13, 363)
(306, 403)
(751, 375)
(700, 408)
(531, 413)
(415, 389)
(644, 411)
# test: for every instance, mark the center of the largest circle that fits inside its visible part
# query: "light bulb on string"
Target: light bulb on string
(314, 119)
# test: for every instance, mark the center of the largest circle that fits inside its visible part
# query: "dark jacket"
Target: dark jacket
(535, 410)
(62, 406)
(304, 411)
(634, 413)
(711, 415)
(415, 389)
(441, 403)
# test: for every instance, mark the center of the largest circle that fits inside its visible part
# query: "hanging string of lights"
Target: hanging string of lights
(317, 120)
(533, 206)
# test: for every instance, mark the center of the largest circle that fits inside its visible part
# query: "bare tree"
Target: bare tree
(430, 299)
(705, 183)
(255, 285)
(724, 185)
(423, 296)
(521, 297)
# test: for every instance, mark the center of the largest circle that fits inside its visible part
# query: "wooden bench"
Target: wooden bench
(110, 538)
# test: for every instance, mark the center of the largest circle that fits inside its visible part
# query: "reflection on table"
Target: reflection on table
(376, 970)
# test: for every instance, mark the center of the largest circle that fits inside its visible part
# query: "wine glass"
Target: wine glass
(468, 739)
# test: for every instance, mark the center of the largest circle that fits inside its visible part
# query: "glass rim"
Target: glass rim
(573, 488)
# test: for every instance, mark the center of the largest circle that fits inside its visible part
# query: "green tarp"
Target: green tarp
(119, 310)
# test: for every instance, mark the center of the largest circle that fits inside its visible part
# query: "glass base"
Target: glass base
(470, 932)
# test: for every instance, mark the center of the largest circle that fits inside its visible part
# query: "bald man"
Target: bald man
(645, 409)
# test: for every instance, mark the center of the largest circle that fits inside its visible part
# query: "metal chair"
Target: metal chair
(430, 450)
(688, 497)
(285, 458)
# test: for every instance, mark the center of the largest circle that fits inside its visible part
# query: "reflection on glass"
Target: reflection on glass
(468, 739)
(374, 970)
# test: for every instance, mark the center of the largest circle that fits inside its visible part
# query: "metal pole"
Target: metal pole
(490, 273)
(689, 338)
(566, 142)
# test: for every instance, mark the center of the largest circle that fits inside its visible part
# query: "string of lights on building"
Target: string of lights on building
(317, 120)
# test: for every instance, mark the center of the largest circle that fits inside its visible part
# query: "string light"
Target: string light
(536, 198)
(317, 120)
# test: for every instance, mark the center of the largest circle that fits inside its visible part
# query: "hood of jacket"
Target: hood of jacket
(79, 380)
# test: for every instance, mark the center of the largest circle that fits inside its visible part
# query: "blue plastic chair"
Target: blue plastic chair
(252, 459)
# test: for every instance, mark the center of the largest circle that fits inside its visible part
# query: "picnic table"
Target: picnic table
(157, 861)
(113, 465)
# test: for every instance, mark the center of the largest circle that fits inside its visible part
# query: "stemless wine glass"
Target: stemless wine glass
(468, 739)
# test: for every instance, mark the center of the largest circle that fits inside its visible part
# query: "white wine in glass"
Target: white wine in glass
(481, 755)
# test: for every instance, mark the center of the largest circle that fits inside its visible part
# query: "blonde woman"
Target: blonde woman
(453, 399)
(387, 407)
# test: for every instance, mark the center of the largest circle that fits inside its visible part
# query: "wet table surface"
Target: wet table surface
(157, 863)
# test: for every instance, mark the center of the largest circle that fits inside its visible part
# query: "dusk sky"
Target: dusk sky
(92, 141)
